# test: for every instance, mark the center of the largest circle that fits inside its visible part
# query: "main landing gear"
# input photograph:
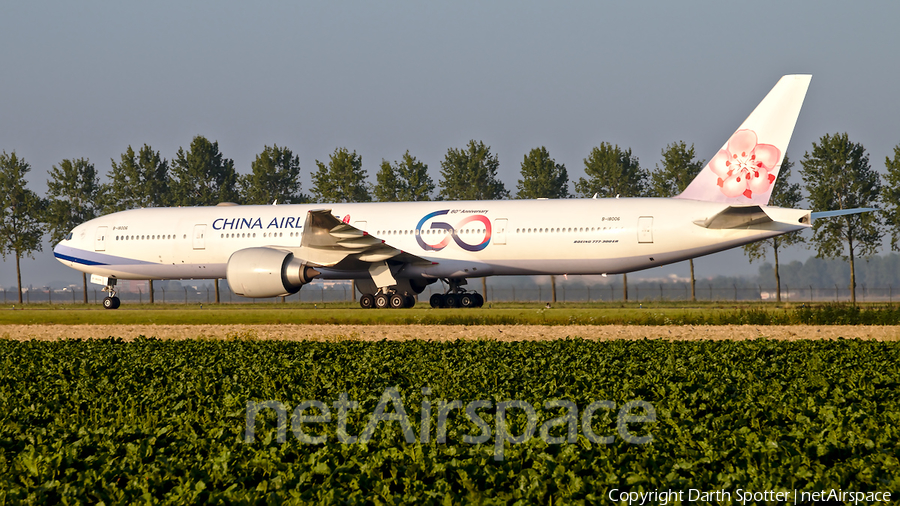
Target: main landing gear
(456, 297)
(464, 299)
(392, 297)
(383, 300)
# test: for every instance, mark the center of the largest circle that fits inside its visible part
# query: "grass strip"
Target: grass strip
(826, 314)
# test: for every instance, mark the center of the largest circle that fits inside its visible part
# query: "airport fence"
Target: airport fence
(318, 294)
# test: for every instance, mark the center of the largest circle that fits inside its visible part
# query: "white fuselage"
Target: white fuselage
(463, 239)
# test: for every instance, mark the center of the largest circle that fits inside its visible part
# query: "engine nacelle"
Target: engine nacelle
(266, 272)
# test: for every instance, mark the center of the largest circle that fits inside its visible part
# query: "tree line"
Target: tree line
(836, 174)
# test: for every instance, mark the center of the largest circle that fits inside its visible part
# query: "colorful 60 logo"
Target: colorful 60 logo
(439, 225)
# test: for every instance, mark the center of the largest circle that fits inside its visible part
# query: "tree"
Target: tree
(542, 177)
(403, 181)
(274, 176)
(21, 229)
(417, 184)
(612, 171)
(785, 194)
(138, 180)
(838, 176)
(471, 174)
(678, 169)
(72, 191)
(890, 197)
(387, 185)
(202, 176)
(342, 180)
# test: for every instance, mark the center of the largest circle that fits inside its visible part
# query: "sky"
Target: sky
(88, 79)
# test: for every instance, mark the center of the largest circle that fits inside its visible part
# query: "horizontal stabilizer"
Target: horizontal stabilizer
(756, 217)
(841, 212)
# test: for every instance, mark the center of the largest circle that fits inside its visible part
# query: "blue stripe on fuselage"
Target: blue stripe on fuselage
(76, 259)
(85, 257)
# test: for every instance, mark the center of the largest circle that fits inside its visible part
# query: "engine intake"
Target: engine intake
(266, 272)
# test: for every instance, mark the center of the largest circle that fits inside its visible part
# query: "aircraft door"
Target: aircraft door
(360, 225)
(645, 229)
(499, 232)
(100, 239)
(200, 236)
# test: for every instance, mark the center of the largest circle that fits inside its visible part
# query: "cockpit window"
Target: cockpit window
(69, 236)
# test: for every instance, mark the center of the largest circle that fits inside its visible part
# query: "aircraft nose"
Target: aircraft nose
(58, 247)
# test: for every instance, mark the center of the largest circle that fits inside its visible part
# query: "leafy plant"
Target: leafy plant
(163, 421)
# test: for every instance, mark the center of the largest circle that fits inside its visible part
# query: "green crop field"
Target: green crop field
(166, 421)
(509, 314)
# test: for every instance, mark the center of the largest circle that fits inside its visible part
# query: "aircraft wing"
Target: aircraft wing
(328, 242)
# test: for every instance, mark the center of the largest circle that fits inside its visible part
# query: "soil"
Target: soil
(446, 333)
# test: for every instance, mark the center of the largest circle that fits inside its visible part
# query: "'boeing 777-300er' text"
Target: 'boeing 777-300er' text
(394, 250)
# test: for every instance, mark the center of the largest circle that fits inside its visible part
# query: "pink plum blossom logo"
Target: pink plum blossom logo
(745, 167)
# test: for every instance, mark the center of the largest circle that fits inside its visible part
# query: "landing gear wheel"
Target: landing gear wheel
(466, 300)
(451, 300)
(437, 300)
(479, 300)
(111, 303)
(367, 301)
(410, 301)
(381, 301)
(397, 301)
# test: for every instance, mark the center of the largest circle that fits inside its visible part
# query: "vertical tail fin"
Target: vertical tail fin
(744, 170)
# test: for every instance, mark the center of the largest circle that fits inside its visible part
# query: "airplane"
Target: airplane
(394, 250)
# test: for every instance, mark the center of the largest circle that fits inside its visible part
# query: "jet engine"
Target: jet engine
(266, 272)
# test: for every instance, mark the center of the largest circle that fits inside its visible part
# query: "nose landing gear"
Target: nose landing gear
(111, 301)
